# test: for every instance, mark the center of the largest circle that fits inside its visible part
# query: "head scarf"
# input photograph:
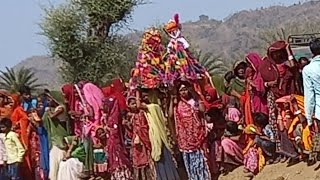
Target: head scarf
(107, 91)
(56, 96)
(237, 65)
(68, 91)
(236, 84)
(276, 46)
(5, 94)
(5, 112)
(94, 97)
(117, 91)
(117, 155)
(214, 97)
(255, 60)
(269, 71)
(16, 100)
(117, 86)
(18, 112)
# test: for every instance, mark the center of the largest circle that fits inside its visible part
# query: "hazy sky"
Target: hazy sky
(19, 18)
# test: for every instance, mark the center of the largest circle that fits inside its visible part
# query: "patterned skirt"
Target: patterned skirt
(121, 174)
(144, 173)
(196, 165)
(273, 119)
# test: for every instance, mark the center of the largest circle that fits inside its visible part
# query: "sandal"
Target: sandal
(270, 161)
(249, 175)
(283, 159)
(277, 160)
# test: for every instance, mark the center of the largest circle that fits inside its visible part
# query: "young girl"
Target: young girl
(253, 157)
(100, 152)
(265, 138)
(232, 113)
(39, 147)
(232, 147)
(215, 127)
(141, 145)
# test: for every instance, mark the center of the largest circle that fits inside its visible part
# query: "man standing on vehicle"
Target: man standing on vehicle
(311, 83)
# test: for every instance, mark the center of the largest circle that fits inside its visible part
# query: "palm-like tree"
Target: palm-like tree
(12, 80)
(213, 63)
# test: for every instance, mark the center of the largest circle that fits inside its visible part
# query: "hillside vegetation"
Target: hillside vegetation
(232, 38)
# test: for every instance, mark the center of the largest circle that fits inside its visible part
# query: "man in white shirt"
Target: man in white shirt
(311, 83)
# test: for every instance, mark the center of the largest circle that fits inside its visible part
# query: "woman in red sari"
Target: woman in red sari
(191, 134)
(278, 73)
(118, 159)
(21, 124)
(118, 90)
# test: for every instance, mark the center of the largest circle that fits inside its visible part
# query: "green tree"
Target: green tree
(213, 63)
(12, 80)
(83, 34)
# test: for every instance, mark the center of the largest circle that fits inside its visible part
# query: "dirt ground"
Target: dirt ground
(279, 172)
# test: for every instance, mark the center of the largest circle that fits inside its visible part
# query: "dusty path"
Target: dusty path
(279, 172)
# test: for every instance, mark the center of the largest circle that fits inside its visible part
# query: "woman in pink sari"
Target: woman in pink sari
(94, 96)
(255, 84)
(84, 113)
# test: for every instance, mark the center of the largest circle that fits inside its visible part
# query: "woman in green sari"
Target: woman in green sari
(72, 166)
(237, 84)
(221, 84)
(52, 120)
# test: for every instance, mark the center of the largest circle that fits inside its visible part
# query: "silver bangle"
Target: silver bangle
(290, 57)
(297, 112)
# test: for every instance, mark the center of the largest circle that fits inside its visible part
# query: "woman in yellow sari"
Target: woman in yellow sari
(298, 131)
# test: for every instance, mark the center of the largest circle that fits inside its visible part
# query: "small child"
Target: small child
(3, 156)
(100, 153)
(232, 114)
(15, 150)
(266, 138)
(41, 132)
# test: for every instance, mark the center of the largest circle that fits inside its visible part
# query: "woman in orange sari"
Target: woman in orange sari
(20, 122)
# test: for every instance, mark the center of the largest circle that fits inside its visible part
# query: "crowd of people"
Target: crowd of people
(171, 121)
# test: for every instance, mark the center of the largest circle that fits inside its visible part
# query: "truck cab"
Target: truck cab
(300, 44)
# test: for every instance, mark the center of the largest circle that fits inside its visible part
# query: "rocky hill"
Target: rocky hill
(45, 68)
(233, 37)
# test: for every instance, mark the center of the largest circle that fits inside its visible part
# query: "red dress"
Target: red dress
(190, 129)
(140, 152)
